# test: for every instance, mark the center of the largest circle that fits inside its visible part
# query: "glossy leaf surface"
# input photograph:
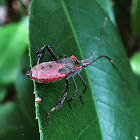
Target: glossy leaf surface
(111, 103)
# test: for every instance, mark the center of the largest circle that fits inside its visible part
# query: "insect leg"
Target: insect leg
(59, 104)
(76, 92)
(84, 89)
(40, 53)
(51, 52)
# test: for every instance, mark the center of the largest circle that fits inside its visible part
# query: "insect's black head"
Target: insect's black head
(86, 62)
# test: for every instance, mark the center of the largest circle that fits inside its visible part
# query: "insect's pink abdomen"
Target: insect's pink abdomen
(47, 72)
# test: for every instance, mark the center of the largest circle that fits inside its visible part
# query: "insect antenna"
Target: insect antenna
(87, 62)
(99, 39)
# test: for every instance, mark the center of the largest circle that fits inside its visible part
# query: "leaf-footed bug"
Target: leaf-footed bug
(61, 68)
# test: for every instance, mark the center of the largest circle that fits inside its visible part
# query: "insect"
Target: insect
(61, 68)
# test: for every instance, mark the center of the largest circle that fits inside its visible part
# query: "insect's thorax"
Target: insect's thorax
(69, 62)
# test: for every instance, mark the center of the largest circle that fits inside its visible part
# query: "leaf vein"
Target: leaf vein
(87, 128)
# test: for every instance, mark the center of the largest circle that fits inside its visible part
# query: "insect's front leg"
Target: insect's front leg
(40, 53)
(61, 101)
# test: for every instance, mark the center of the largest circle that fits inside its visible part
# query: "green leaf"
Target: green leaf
(2, 93)
(135, 18)
(13, 42)
(111, 103)
(107, 7)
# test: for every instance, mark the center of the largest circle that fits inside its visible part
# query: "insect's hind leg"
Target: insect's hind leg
(76, 92)
(61, 101)
(84, 89)
(40, 53)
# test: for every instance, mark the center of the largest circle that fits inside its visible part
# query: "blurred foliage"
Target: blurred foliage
(17, 119)
(135, 63)
(13, 40)
(135, 17)
(17, 101)
(122, 11)
(2, 2)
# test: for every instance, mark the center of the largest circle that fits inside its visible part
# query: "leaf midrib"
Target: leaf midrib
(78, 45)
